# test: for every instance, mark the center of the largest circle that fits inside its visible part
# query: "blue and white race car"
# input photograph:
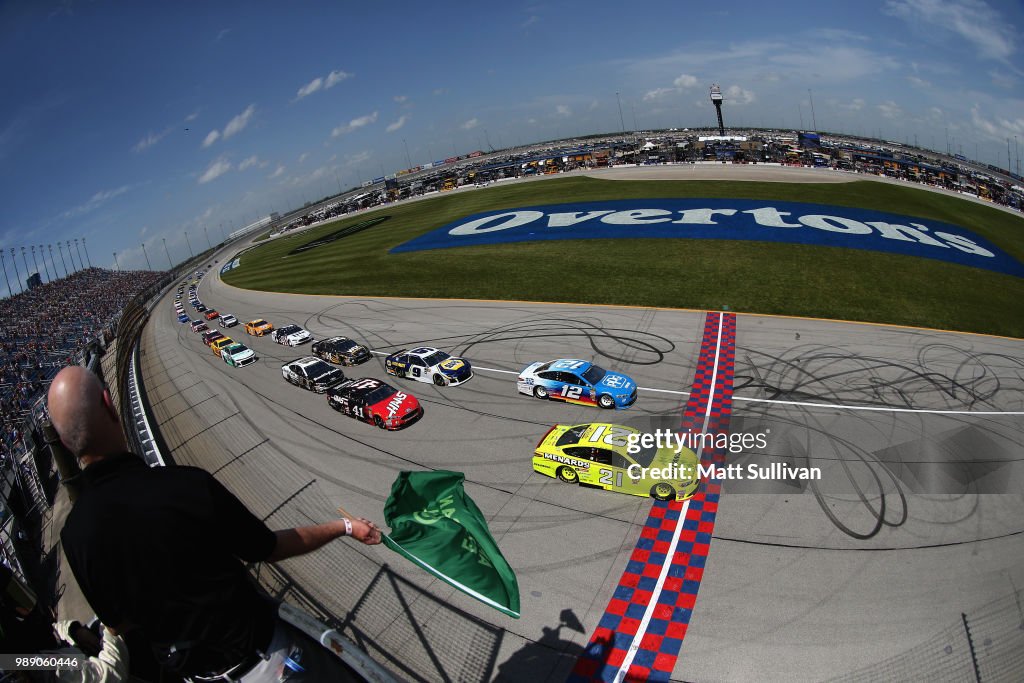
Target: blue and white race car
(427, 364)
(577, 381)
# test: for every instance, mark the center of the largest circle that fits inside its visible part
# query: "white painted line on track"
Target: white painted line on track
(807, 404)
(652, 604)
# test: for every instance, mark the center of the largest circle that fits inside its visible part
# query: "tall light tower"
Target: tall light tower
(79, 252)
(169, 265)
(148, 266)
(54, 263)
(35, 262)
(116, 265)
(10, 292)
(42, 255)
(87, 259)
(17, 274)
(190, 254)
(717, 99)
(62, 262)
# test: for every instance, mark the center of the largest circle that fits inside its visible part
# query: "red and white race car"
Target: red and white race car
(376, 402)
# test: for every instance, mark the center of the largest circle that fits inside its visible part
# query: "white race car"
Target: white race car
(292, 335)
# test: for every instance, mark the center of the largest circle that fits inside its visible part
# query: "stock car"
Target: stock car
(220, 343)
(182, 318)
(340, 351)
(211, 336)
(258, 327)
(427, 364)
(238, 355)
(211, 314)
(228, 320)
(312, 373)
(375, 402)
(199, 326)
(292, 335)
(577, 381)
(597, 455)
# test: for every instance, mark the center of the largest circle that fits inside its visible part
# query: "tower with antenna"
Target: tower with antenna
(717, 99)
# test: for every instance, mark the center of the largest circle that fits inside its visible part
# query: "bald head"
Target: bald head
(83, 415)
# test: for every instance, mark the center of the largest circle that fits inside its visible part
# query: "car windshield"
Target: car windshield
(289, 329)
(237, 349)
(381, 393)
(319, 369)
(594, 374)
(258, 323)
(435, 358)
(344, 345)
(571, 436)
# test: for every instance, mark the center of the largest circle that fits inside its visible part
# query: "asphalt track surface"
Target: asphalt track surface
(919, 516)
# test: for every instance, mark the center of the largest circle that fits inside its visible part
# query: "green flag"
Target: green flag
(437, 526)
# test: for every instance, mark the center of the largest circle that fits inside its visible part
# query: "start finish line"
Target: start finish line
(725, 219)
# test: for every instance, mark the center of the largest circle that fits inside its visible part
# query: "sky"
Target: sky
(131, 124)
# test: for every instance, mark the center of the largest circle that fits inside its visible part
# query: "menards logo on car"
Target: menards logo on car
(725, 219)
(565, 460)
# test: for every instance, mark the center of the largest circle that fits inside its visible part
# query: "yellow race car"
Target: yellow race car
(598, 455)
(258, 327)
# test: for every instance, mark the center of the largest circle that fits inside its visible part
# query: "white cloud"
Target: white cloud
(392, 127)
(1001, 128)
(533, 19)
(250, 162)
(919, 82)
(215, 170)
(973, 20)
(238, 124)
(211, 138)
(563, 110)
(440, 91)
(658, 93)
(96, 201)
(150, 140)
(354, 124)
(737, 95)
(277, 172)
(890, 110)
(309, 88)
(358, 158)
(400, 98)
(1003, 80)
(193, 116)
(336, 77)
(469, 125)
(303, 157)
(685, 81)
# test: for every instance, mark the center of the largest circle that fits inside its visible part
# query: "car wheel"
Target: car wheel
(606, 401)
(568, 475)
(379, 421)
(540, 392)
(439, 380)
(663, 491)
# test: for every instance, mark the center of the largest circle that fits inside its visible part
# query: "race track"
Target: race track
(918, 518)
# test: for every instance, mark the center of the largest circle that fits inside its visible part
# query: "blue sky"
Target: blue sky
(131, 123)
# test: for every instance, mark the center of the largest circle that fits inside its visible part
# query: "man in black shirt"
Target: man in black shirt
(160, 550)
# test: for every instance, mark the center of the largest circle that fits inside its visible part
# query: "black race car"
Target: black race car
(370, 400)
(312, 373)
(341, 351)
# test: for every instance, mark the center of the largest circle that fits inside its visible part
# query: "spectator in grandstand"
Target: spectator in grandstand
(161, 550)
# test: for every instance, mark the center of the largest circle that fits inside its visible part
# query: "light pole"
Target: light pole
(190, 254)
(42, 255)
(52, 262)
(17, 275)
(79, 252)
(116, 266)
(10, 292)
(408, 159)
(35, 261)
(207, 233)
(622, 121)
(61, 252)
(148, 265)
(25, 259)
(169, 265)
(87, 259)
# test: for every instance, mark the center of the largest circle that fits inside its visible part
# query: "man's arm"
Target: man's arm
(306, 539)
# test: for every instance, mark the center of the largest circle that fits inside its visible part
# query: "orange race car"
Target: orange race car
(258, 327)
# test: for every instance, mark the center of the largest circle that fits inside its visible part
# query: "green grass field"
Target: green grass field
(757, 277)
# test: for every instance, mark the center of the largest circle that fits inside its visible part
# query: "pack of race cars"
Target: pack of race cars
(592, 454)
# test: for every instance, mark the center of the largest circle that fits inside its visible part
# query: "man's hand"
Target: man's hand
(365, 531)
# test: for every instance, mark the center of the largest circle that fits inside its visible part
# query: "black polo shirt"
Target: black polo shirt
(162, 548)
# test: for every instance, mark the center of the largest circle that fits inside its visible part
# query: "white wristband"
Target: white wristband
(348, 526)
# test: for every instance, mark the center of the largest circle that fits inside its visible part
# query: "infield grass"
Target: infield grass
(756, 277)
